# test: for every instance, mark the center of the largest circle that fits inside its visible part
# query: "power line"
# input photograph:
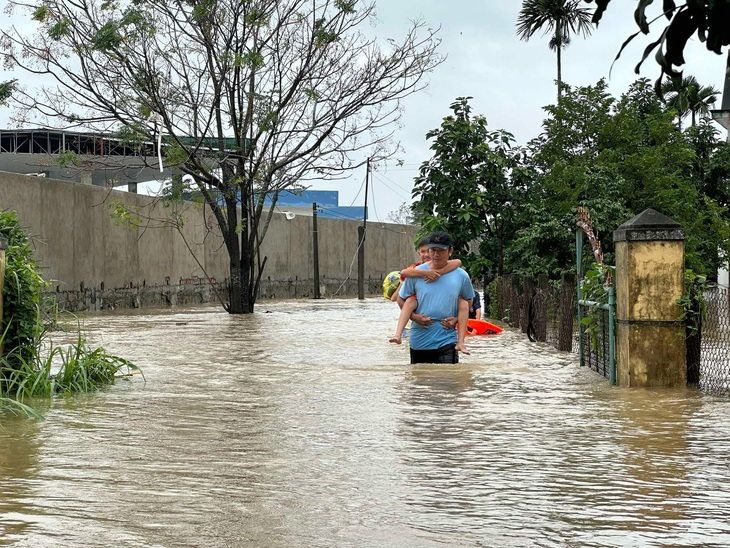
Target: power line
(358, 192)
(399, 164)
(387, 182)
(391, 181)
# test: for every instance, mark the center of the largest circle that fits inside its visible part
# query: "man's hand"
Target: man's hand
(431, 275)
(421, 319)
(449, 323)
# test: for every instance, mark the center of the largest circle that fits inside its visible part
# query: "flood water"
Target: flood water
(301, 425)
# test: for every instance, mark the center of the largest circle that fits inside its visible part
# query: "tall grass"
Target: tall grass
(31, 367)
(42, 370)
(14, 406)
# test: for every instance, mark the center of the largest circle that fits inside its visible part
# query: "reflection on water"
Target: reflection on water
(301, 426)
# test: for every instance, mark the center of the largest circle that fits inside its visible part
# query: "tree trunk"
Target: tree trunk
(241, 293)
(247, 272)
(236, 289)
(239, 276)
(558, 48)
(560, 74)
(500, 252)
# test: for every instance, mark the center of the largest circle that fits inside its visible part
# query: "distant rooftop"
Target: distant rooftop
(34, 151)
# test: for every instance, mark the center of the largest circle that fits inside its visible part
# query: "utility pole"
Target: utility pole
(315, 250)
(361, 240)
(722, 117)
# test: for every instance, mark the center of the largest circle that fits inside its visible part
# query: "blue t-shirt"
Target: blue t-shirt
(437, 300)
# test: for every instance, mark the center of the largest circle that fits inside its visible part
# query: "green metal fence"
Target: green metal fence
(599, 350)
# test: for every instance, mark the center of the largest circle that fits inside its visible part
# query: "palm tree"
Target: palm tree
(560, 17)
(686, 96)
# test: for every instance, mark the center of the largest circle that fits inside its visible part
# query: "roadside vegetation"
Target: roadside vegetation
(31, 366)
(512, 209)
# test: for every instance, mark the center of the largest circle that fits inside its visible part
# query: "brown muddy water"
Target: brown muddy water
(301, 426)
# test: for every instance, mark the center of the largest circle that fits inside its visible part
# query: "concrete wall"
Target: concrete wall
(81, 248)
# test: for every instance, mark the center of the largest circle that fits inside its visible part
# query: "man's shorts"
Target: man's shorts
(445, 354)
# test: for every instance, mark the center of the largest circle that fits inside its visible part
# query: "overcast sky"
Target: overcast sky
(510, 80)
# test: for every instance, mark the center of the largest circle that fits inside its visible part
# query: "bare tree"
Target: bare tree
(251, 96)
(403, 215)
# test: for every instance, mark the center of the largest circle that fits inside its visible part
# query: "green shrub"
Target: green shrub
(31, 366)
(78, 368)
(21, 324)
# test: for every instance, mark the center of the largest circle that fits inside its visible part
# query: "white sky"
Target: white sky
(510, 80)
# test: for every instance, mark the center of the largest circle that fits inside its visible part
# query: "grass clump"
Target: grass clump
(31, 366)
(43, 372)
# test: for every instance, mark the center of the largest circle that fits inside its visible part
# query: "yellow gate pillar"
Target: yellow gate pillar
(650, 338)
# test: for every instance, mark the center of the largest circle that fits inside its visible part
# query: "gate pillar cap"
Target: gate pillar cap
(649, 225)
(3, 243)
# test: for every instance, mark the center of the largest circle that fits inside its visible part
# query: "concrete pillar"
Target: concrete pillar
(132, 188)
(3, 247)
(86, 177)
(650, 338)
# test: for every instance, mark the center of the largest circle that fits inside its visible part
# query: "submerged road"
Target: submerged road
(301, 425)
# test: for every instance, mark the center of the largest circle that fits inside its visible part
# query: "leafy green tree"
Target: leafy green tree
(618, 157)
(251, 97)
(559, 18)
(471, 187)
(563, 158)
(712, 164)
(686, 96)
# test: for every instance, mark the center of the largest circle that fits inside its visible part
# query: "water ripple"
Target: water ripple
(301, 426)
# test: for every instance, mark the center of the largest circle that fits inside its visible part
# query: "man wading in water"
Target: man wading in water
(437, 343)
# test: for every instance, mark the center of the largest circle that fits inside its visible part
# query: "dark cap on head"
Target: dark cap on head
(441, 240)
(421, 242)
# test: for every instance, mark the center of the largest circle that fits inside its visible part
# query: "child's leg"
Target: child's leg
(462, 318)
(409, 307)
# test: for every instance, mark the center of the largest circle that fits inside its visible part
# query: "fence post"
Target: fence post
(650, 338)
(543, 285)
(694, 347)
(361, 262)
(611, 334)
(579, 277)
(501, 305)
(567, 313)
(315, 250)
(3, 247)
(514, 300)
(528, 289)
